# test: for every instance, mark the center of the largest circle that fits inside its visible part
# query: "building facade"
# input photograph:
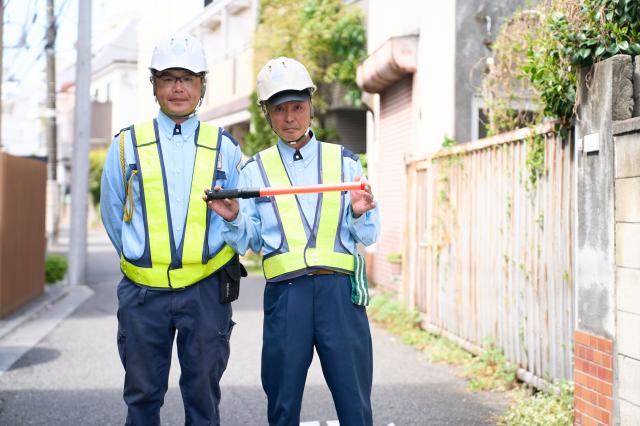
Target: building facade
(423, 75)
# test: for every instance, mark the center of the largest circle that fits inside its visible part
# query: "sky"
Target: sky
(25, 20)
(24, 60)
(25, 32)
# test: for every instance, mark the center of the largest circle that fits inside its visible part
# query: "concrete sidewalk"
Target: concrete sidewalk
(23, 329)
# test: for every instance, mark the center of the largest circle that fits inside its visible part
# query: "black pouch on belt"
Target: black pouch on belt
(229, 276)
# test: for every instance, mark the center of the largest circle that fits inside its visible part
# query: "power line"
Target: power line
(60, 11)
(22, 46)
(29, 63)
(18, 65)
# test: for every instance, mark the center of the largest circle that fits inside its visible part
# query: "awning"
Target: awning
(397, 57)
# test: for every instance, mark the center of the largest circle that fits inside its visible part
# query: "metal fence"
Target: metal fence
(489, 248)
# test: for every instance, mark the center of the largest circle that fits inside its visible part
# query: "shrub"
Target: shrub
(538, 51)
(551, 407)
(96, 163)
(55, 268)
(394, 257)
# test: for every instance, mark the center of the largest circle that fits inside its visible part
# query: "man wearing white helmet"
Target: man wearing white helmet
(309, 248)
(179, 274)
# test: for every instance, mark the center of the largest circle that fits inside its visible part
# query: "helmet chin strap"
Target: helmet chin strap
(304, 135)
(187, 116)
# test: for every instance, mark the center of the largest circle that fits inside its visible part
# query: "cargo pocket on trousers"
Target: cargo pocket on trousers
(227, 334)
(121, 341)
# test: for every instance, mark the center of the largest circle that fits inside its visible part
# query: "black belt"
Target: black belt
(322, 272)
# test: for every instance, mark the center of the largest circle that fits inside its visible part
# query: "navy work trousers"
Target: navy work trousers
(148, 320)
(316, 311)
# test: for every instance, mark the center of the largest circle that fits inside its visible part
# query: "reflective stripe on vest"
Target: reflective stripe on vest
(295, 252)
(155, 206)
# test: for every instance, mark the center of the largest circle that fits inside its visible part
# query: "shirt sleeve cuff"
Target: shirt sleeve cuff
(233, 224)
(356, 223)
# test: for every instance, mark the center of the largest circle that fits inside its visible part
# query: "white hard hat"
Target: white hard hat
(179, 51)
(283, 74)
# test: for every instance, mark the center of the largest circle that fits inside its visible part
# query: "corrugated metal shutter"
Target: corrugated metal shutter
(395, 132)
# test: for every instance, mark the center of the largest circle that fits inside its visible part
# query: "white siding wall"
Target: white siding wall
(435, 79)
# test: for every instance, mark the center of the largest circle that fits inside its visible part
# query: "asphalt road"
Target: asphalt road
(73, 376)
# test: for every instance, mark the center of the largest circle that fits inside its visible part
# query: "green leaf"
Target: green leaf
(599, 51)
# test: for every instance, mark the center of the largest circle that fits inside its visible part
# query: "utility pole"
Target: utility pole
(52, 213)
(49, 48)
(80, 160)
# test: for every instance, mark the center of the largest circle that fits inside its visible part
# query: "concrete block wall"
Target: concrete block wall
(627, 219)
(606, 347)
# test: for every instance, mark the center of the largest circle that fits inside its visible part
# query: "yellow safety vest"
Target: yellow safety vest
(296, 252)
(163, 269)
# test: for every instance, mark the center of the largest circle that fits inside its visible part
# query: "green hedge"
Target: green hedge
(55, 268)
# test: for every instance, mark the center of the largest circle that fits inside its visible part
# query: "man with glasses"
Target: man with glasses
(179, 275)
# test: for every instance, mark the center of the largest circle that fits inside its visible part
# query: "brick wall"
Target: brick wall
(593, 376)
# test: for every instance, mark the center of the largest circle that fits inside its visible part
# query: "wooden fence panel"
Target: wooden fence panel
(489, 253)
(22, 233)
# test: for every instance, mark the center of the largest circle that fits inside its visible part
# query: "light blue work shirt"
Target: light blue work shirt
(178, 156)
(256, 226)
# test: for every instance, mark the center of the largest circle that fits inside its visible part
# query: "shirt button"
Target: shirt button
(178, 229)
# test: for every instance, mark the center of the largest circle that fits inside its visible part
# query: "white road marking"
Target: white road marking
(330, 423)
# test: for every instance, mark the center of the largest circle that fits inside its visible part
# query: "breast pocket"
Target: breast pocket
(221, 178)
(263, 204)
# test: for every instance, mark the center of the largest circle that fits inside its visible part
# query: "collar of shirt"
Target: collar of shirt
(187, 128)
(309, 151)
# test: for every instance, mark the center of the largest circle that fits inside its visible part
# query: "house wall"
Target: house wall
(477, 23)
(118, 85)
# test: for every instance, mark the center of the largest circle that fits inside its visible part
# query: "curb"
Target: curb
(52, 294)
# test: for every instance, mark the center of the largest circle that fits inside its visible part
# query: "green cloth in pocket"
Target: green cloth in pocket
(359, 287)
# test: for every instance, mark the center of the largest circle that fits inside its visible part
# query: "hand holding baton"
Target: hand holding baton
(267, 192)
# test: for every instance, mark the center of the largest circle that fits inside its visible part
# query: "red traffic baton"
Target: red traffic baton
(267, 192)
